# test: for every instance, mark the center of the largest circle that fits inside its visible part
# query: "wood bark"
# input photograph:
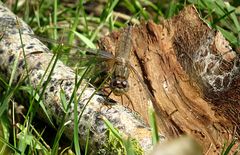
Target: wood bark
(193, 74)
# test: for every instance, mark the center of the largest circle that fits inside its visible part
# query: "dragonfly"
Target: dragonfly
(120, 69)
(120, 61)
(118, 64)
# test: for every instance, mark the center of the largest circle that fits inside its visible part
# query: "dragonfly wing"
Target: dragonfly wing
(94, 52)
(100, 60)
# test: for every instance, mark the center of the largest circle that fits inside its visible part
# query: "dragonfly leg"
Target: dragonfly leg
(121, 99)
(106, 101)
(123, 103)
(109, 94)
(109, 101)
(109, 106)
(130, 101)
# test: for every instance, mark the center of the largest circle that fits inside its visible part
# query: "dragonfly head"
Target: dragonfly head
(119, 86)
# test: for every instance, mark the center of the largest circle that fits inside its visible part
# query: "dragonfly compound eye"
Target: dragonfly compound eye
(115, 83)
(124, 84)
(119, 84)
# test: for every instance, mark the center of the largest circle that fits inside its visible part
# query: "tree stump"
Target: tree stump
(192, 73)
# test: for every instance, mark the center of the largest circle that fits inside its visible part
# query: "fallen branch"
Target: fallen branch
(34, 60)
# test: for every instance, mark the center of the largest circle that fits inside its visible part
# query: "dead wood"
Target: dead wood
(192, 72)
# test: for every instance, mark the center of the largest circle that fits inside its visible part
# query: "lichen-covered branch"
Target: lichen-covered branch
(34, 64)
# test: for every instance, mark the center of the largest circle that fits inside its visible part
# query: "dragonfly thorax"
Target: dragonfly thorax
(121, 61)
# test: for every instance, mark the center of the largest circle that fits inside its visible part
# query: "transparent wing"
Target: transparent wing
(101, 54)
(101, 60)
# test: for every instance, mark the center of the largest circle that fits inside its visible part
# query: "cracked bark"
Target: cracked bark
(193, 74)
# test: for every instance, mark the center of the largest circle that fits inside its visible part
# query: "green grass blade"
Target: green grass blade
(26, 12)
(55, 19)
(14, 69)
(129, 6)
(15, 7)
(112, 129)
(4, 133)
(5, 101)
(108, 10)
(140, 9)
(86, 41)
(58, 137)
(228, 35)
(87, 140)
(63, 100)
(233, 17)
(222, 15)
(10, 145)
(229, 147)
(153, 125)
(155, 6)
(23, 138)
(76, 21)
(76, 136)
(129, 147)
(171, 9)
(30, 90)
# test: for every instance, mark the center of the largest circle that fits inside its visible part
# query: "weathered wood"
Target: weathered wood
(193, 74)
(38, 58)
